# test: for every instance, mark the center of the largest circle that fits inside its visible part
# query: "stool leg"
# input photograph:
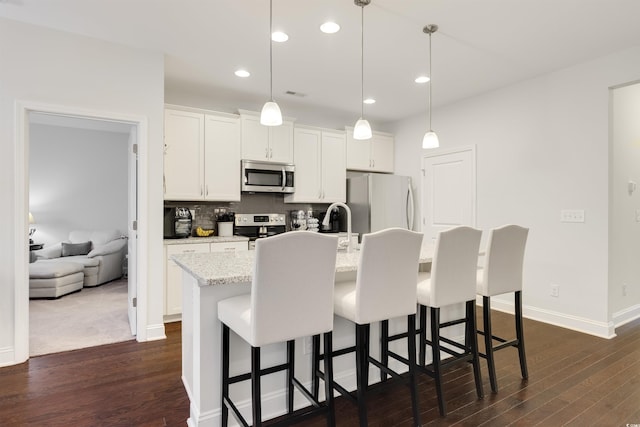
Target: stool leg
(520, 335)
(225, 375)
(362, 366)
(255, 386)
(315, 365)
(473, 343)
(488, 343)
(435, 350)
(422, 358)
(328, 378)
(384, 347)
(411, 350)
(291, 350)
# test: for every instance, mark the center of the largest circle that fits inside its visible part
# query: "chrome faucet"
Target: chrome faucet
(327, 218)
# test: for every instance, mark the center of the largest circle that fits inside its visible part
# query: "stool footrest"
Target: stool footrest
(263, 372)
(236, 413)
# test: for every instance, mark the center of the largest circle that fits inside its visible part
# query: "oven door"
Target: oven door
(267, 177)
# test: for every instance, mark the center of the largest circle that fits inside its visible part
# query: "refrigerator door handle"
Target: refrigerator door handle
(410, 207)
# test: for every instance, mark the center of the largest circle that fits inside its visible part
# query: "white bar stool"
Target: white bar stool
(502, 273)
(285, 303)
(385, 288)
(452, 280)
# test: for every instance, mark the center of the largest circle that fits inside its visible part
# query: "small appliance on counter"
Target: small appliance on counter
(256, 226)
(334, 222)
(298, 220)
(177, 223)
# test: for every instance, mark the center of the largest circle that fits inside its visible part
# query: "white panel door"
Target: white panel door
(183, 157)
(448, 190)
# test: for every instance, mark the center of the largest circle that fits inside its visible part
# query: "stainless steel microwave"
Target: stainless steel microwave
(267, 177)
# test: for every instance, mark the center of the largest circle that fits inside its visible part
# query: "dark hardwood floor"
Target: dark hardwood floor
(575, 379)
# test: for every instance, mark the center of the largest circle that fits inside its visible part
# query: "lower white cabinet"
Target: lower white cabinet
(173, 272)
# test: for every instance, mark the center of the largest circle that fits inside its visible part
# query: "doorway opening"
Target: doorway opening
(133, 130)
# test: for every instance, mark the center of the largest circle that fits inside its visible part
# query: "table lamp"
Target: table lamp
(31, 228)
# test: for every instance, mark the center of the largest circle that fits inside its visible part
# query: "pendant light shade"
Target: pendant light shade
(362, 129)
(270, 115)
(430, 139)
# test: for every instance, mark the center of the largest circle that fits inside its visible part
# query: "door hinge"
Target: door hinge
(134, 302)
(134, 225)
(135, 149)
(422, 172)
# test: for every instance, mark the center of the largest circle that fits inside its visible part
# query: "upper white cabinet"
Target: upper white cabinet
(183, 157)
(374, 155)
(265, 143)
(320, 160)
(202, 156)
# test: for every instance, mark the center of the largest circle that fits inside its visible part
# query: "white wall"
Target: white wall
(77, 181)
(42, 66)
(542, 146)
(624, 223)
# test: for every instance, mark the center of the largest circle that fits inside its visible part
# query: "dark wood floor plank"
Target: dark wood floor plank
(574, 379)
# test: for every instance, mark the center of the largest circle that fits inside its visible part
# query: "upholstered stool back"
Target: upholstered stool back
(502, 272)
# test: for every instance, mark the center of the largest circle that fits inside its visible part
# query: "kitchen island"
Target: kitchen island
(210, 277)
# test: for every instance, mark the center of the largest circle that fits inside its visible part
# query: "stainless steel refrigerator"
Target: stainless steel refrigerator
(379, 201)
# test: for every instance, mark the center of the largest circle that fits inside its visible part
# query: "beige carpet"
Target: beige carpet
(91, 317)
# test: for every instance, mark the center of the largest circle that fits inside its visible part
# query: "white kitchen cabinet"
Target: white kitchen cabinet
(202, 156)
(183, 156)
(265, 143)
(320, 160)
(373, 155)
(173, 273)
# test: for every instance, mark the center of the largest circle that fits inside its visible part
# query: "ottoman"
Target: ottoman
(54, 279)
(90, 266)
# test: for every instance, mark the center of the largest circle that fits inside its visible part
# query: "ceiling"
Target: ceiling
(481, 45)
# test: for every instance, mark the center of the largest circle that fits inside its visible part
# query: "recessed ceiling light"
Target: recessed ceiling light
(329, 27)
(279, 36)
(422, 79)
(242, 73)
(369, 101)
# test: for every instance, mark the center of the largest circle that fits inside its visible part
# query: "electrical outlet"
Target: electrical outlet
(555, 290)
(624, 289)
(308, 345)
(572, 215)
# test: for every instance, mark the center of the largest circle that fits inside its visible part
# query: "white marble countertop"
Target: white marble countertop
(211, 239)
(237, 267)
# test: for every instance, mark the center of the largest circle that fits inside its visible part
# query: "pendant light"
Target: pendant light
(362, 129)
(270, 115)
(430, 139)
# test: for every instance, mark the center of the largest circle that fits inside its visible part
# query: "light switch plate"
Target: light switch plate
(572, 215)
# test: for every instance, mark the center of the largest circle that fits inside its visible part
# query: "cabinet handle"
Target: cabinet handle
(188, 250)
(206, 190)
(164, 184)
(266, 153)
(374, 162)
(201, 190)
(270, 153)
(319, 194)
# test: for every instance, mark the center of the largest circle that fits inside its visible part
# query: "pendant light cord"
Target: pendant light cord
(430, 80)
(362, 62)
(271, 50)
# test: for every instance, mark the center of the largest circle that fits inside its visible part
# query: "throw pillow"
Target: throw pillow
(71, 249)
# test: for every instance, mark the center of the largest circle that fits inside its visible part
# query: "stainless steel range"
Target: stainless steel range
(255, 226)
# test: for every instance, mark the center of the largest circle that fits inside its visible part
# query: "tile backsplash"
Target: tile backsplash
(204, 212)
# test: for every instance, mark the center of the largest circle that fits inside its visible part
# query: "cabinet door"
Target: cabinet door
(281, 143)
(222, 158)
(173, 275)
(334, 167)
(229, 246)
(358, 153)
(183, 155)
(307, 158)
(255, 139)
(382, 153)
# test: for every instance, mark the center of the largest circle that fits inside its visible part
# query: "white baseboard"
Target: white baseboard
(156, 332)
(580, 324)
(7, 356)
(627, 315)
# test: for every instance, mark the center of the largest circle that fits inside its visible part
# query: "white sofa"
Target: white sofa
(103, 262)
